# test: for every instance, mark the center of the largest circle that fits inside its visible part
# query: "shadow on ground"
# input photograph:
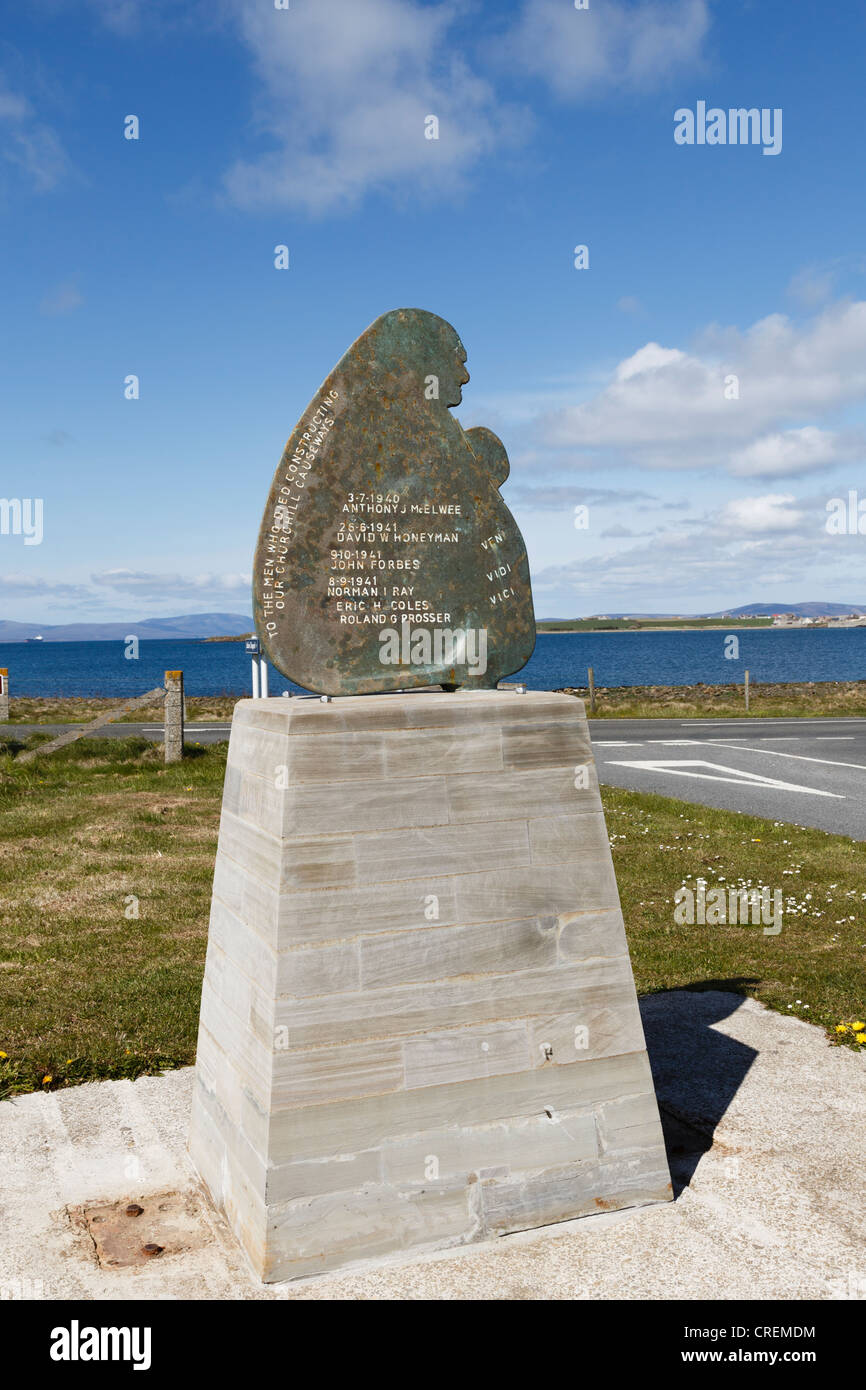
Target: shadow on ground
(697, 1070)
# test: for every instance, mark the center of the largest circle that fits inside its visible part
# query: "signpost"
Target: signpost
(260, 669)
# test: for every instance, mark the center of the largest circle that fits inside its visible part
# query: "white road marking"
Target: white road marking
(834, 738)
(803, 719)
(800, 757)
(684, 768)
(615, 744)
(675, 742)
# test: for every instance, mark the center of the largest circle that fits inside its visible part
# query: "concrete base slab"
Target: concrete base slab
(771, 1197)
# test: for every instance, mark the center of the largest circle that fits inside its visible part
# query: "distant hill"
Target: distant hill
(753, 610)
(193, 626)
(802, 610)
(188, 626)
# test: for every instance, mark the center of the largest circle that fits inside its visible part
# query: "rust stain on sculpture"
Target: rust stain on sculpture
(387, 558)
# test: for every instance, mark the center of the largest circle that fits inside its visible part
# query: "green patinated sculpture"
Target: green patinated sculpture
(387, 558)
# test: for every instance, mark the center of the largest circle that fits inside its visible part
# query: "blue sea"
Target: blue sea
(559, 659)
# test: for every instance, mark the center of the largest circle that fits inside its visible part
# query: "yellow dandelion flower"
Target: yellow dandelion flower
(46, 1080)
(858, 1027)
(841, 1028)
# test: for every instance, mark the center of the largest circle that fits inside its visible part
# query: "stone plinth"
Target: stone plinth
(418, 1024)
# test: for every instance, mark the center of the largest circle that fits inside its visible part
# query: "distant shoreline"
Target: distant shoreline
(651, 627)
(737, 625)
(714, 625)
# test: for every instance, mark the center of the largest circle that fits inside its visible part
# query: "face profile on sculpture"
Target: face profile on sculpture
(387, 558)
(451, 385)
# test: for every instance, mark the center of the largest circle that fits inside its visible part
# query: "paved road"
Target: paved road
(806, 771)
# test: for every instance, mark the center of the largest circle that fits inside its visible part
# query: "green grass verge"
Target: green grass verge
(814, 968)
(81, 709)
(101, 829)
(801, 700)
(88, 836)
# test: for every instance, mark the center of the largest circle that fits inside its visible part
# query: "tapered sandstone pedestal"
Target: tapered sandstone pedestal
(418, 1023)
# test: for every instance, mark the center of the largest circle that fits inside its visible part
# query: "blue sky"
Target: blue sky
(305, 127)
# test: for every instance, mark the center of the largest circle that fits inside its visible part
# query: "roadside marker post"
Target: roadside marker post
(746, 689)
(4, 694)
(591, 674)
(173, 716)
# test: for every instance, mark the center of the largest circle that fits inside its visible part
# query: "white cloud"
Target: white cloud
(28, 144)
(667, 408)
(172, 585)
(750, 548)
(634, 46)
(703, 571)
(557, 498)
(122, 17)
(29, 586)
(345, 90)
(758, 515)
(345, 87)
(812, 286)
(792, 452)
(648, 359)
(12, 107)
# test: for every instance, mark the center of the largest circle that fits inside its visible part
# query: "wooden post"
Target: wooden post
(4, 694)
(746, 689)
(173, 723)
(591, 674)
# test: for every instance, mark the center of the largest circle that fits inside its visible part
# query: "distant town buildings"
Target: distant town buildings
(843, 620)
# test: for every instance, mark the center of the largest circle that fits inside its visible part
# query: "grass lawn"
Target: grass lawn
(80, 709)
(87, 989)
(97, 831)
